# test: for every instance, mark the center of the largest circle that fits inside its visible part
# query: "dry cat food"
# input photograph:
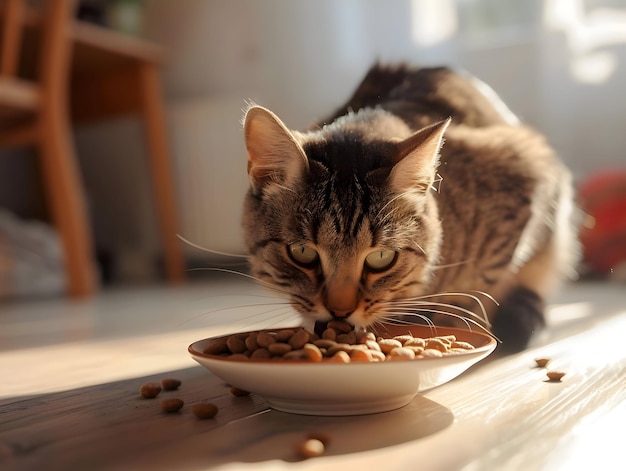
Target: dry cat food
(310, 448)
(204, 410)
(235, 391)
(172, 405)
(542, 362)
(555, 375)
(337, 343)
(170, 384)
(150, 390)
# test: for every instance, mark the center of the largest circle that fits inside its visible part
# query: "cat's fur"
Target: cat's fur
(488, 212)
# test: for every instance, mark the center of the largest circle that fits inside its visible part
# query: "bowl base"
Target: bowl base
(338, 408)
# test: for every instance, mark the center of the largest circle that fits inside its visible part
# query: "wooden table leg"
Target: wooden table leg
(67, 199)
(158, 151)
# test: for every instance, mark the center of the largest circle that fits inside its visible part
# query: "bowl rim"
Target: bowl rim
(489, 344)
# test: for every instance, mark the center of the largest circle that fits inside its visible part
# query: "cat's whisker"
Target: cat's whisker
(204, 249)
(212, 312)
(466, 321)
(245, 275)
(390, 317)
(487, 295)
(397, 321)
(280, 316)
(438, 180)
(460, 294)
(456, 264)
(419, 305)
(400, 195)
(419, 247)
(415, 313)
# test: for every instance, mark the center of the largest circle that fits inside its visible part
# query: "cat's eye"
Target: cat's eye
(303, 254)
(380, 259)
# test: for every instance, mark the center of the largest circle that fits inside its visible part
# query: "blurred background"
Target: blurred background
(560, 65)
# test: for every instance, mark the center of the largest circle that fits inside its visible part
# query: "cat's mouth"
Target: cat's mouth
(341, 325)
(320, 327)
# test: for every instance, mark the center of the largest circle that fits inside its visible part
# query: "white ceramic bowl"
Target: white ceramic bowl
(326, 388)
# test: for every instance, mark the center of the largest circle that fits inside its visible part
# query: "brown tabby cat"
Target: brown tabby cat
(368, 217)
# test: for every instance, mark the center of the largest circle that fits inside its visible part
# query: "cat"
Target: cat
(368, 215)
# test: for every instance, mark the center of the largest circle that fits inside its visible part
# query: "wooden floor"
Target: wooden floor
(71, 372)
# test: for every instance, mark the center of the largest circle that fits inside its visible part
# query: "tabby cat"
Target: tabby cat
(367, 216)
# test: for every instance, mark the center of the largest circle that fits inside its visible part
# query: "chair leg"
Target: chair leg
(157, 144)
(67, 202)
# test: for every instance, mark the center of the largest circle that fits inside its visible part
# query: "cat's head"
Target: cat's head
(342, 219)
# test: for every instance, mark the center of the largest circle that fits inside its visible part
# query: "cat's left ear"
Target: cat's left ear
(274, 154)
(417, 159)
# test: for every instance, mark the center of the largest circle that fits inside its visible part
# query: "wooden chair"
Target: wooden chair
(110, 75)
(34, 111)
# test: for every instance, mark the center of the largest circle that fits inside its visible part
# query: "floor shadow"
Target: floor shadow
(274, 435)
(111, 425)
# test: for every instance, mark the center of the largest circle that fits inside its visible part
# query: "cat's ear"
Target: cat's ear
(274, 154)
(417, 159)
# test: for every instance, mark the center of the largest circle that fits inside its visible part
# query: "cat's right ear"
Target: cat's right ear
(417, 159)
(274, 154)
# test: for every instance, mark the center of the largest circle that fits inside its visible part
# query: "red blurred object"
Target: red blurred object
(603, 197)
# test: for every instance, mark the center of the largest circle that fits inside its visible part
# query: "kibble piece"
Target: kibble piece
(373, 345)
(217, 346)
(150, 390)
(432, 353)
(415, 342)
(172, 405)
(542, 362)
(555, 375)
(401, 353)
(312, 352)
(362, 336)
(279, 348)
(329, 334)
(204, 410)
(340, 357)
(361, 355)
(284, 335)
(437, 344)
(461, 345)
(324, 343)
(339, 347)
(251, 343)
(416, 350)
(340, 326)
(236, 343)
(261, 354)
(403, 339)
(377, 356)
(299, 339)
(447, 339)
(295, 355)
(349, 338)
(310, 448)
(265, 339)
(386, 345)
(457, 350)
(170, 384)
(235, 391)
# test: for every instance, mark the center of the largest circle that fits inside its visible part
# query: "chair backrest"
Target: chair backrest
(35, 40)
(12, 31)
